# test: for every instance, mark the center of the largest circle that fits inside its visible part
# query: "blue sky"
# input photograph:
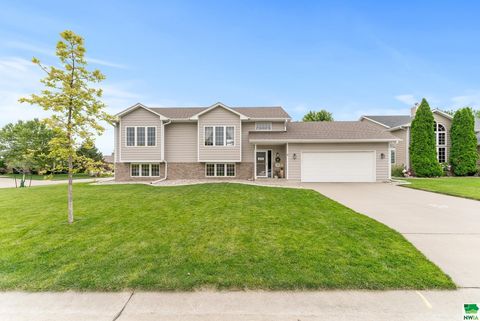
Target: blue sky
(351, 58)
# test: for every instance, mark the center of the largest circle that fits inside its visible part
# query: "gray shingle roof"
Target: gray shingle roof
(391, 120)
(251, 112)
(335, 130)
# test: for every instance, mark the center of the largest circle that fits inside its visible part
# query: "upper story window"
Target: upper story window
(441, 141)
(263, 125)
(142, 136)
(219, 136)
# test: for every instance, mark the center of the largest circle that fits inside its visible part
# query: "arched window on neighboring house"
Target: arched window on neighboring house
(441, 139)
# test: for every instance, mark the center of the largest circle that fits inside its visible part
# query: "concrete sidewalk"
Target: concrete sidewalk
(241, 306)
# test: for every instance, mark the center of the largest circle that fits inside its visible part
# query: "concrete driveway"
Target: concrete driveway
(445, 228)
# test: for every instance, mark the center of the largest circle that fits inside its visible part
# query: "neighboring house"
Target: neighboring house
(109, 159)
(399, 126)
(219, 141)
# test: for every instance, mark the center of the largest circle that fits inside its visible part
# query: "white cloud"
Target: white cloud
(20, 78)
(471, 99)
(408, 99)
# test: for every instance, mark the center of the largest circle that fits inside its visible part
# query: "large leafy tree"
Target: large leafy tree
(24, 147)
(321, 115)
(463, 153)
(74, 99)
(423, 153)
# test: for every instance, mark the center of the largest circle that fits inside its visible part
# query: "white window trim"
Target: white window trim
(225, 171)
(224, 136)
(136, 135)
(140, 169)
(264, 122)
(394, 150)
(437, 133)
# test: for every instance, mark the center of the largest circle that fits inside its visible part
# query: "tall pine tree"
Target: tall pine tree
(423, 152)
(463, 153)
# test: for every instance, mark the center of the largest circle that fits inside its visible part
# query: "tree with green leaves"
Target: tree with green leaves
(24, 147)
(321, 115)
(89, 152)
(463, 153)
(423, 153)
(72, 95)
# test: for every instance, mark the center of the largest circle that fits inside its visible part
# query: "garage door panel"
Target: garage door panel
(349, 166)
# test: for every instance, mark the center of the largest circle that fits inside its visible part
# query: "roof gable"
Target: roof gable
(135, 107)
(218, 105)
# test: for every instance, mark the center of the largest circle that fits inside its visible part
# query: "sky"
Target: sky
(351, 58)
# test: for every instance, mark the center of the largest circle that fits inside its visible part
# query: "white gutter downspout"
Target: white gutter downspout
(163, 154)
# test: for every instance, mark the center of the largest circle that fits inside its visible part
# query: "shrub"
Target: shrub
(397, 170)
(463, 153)
(423, 144)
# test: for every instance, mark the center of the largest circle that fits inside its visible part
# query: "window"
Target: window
(442, 154)
(393, 155)
(220, 170)
(210, 169)
(130, 136)
(230, 136)
(135, 169)
(151, 136)
(141, 136)
(208, 136)
(441, 142)
(145, 170)
(230, 169)
(219, 136)
(263, 125)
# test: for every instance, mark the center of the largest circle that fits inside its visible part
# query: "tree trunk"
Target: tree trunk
(70, 190)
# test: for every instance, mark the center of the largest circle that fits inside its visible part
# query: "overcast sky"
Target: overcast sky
(362, 57)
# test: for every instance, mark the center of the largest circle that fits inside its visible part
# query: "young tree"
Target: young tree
(463, 153)
(321, 115)
(24, 147)
(423, 153)
(73, 100)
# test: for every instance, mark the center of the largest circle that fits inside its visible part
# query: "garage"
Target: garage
(338, 166)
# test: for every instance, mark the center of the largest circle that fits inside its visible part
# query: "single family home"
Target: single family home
(399, 126)
(220, 141)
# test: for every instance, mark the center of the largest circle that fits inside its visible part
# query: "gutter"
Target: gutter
(163, 154)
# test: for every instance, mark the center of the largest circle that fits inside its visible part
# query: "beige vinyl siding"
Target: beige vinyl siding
(247, 147)
(294, 166)
(276, 125)
(140, 117)
(219, 117)
(181, 142)
(400, 147)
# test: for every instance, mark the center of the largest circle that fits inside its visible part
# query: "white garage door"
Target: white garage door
(348, 166)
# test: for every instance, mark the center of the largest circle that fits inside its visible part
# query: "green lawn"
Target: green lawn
(224, 236)
(56, 177)
(468, 187)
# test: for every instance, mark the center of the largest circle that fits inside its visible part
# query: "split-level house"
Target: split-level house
(219, 141)
(399, 126)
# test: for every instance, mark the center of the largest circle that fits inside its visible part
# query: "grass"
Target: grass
(223, 236)
(467, 187)
(56, 177)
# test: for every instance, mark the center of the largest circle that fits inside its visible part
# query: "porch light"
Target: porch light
(382, 156)
(294, 156)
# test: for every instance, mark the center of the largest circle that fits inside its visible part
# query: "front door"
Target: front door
(261, 159)
(264, 163)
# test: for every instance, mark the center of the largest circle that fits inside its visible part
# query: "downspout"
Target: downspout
(163, 155)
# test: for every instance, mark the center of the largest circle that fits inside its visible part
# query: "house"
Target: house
(219, 141)
(399, 126)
